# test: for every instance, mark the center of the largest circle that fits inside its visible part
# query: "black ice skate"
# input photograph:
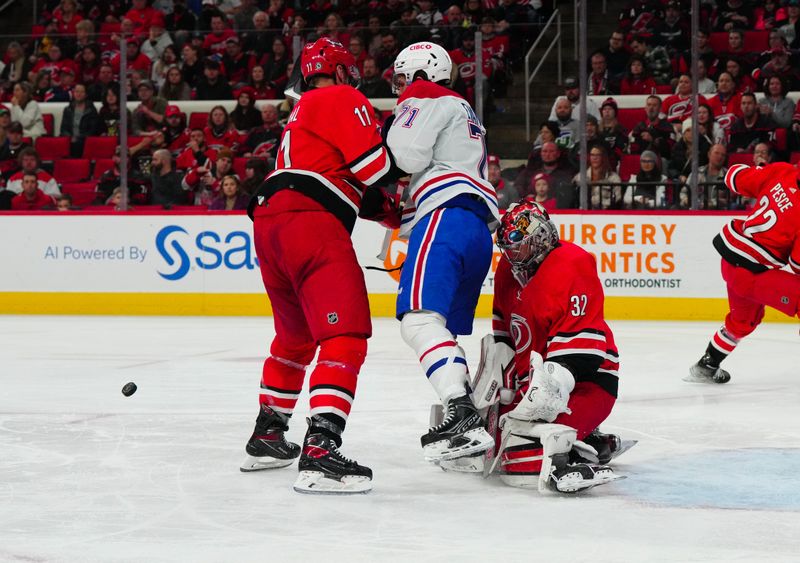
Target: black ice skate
(606, 447)
(267, 447)
(460, 434)
(324, 470)
(574, 477)
(705, 371)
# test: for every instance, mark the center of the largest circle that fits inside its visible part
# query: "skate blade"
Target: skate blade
(479, 441)
(624, 446)
(315, 483)
(253, 463)
(466, 464)
(721, 378)
(580, 485)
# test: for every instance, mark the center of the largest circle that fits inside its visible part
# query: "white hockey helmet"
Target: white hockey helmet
(425, 57)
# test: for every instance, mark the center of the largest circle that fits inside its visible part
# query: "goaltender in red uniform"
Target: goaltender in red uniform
(303, 214)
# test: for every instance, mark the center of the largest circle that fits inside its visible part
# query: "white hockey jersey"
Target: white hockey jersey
(438, 139)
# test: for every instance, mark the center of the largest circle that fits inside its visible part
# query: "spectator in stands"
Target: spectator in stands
(549, 132)
(568, 126)
(80, 120)
(467, 74)
(191, 66)
(197, 152)
(767, 15)
(775, 104)
(678, 107)
(334, 29)
(727, 104)
(654, 133)
(276, 67)
(110, 111)
(407, 29)
(710, 180)
(263, 141)
(149, 114)
(137, 61)
(245, 116)
(5, 122)
(219, 132)
(258, 39)
(683, 61)
(68, 81)
(105, 79)
(158, 39)
(356, 48)
(142, 15)
(373, 85)
(705, 86)
(572, 93)
(29, 163)
(592, 136)
(174, 87)
(30, 197)
(279, 14)
(737, 51)
(243, 16)
(751, 128)
(540, 191)
(613, 134)
(175, 135)
(263, 90)
(388, 51)
(212, 86)
(169, 58)
(763, 154)
(744, 82)
(790, 27)
(110, 180)
(373, 35)
(648, 186)
(214, 43)
(707, 125)
(89, 64)
(205, 181)
(733, 14)
(166, 184)
(255, 171)
(636, 81)
(45, 91)
(230, 197)
(55, 64)
(600, 179)
(237, 64)
(673, 31)
(17, 64)
(640, 15)
(25, 110)
(11, 149)
(779, 65)
(600, 82)
(506, 193)
(64, 203)
(656, 58)
(181, 22)
(556, 166)
(680, 163)
(616, 55)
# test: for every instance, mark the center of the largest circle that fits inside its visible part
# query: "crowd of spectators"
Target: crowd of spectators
(214, 50)
(748, 59)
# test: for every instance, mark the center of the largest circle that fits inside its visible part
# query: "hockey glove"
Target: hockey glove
(377, 205)
(548, 392)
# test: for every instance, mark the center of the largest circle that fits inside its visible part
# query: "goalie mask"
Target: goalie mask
(425, 59)
(525, 237)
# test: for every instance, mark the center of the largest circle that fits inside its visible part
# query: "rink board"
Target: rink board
(652, 266)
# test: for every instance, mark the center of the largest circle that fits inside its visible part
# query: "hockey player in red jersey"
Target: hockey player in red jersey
(555, 362)
(303, 214)
(755, 252)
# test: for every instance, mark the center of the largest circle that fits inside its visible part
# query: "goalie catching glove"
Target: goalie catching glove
(548, 392)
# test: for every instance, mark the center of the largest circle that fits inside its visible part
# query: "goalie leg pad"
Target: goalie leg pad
(530, 450)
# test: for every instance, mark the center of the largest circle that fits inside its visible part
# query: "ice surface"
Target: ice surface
(87, 474)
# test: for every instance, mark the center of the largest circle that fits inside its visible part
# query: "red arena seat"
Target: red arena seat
(628, 165)
(740, 158)
(101, 165)
(198, 119)
(629, 117)
(49, 123)
(99, 147)
(52, 148)
(68, 170)
(239, 166)
(82, 192)
(794, 158)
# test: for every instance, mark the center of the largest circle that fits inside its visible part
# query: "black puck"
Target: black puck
(129, 389)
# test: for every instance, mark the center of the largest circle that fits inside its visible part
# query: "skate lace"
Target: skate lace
(451, 413)
(338, 454)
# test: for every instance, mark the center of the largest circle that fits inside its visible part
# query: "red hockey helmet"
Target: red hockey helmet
(526, 236)
(323, 56)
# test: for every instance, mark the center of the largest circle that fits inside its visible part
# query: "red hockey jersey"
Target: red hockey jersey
(558, 314)
(768, 238)
(330, 151)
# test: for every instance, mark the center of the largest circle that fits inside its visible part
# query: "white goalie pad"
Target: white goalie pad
(487, 385)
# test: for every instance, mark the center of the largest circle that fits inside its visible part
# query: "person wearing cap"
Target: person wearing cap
(26, 111)
(157, 39)
(212, 86)
(175, 134)
(648, 187)
(79, 120)
(29, 163)
(215, 42)
(572, 93)
(780, 65)
(12, 147)
(506, 192)
(790, 27)
(149, 114)
(237, 64)
(611, 131)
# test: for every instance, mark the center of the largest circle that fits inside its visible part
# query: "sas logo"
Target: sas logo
(208, 250)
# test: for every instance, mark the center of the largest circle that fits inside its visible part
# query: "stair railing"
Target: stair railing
(555, 20)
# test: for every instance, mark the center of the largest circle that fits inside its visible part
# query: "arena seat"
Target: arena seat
(794, 158)
(754, 41)
(628, 165)
(49, 123)
(630, 117)
(69, 170)
(740, 158)
(198, 119)
(100, 166)
(99, 147)
(664, 89)
(239, 166)
(82, 192)
(52, 148)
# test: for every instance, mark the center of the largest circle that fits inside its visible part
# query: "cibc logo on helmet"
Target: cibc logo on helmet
(420, 47)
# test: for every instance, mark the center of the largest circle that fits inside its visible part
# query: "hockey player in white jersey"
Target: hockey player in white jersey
(448, 219)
